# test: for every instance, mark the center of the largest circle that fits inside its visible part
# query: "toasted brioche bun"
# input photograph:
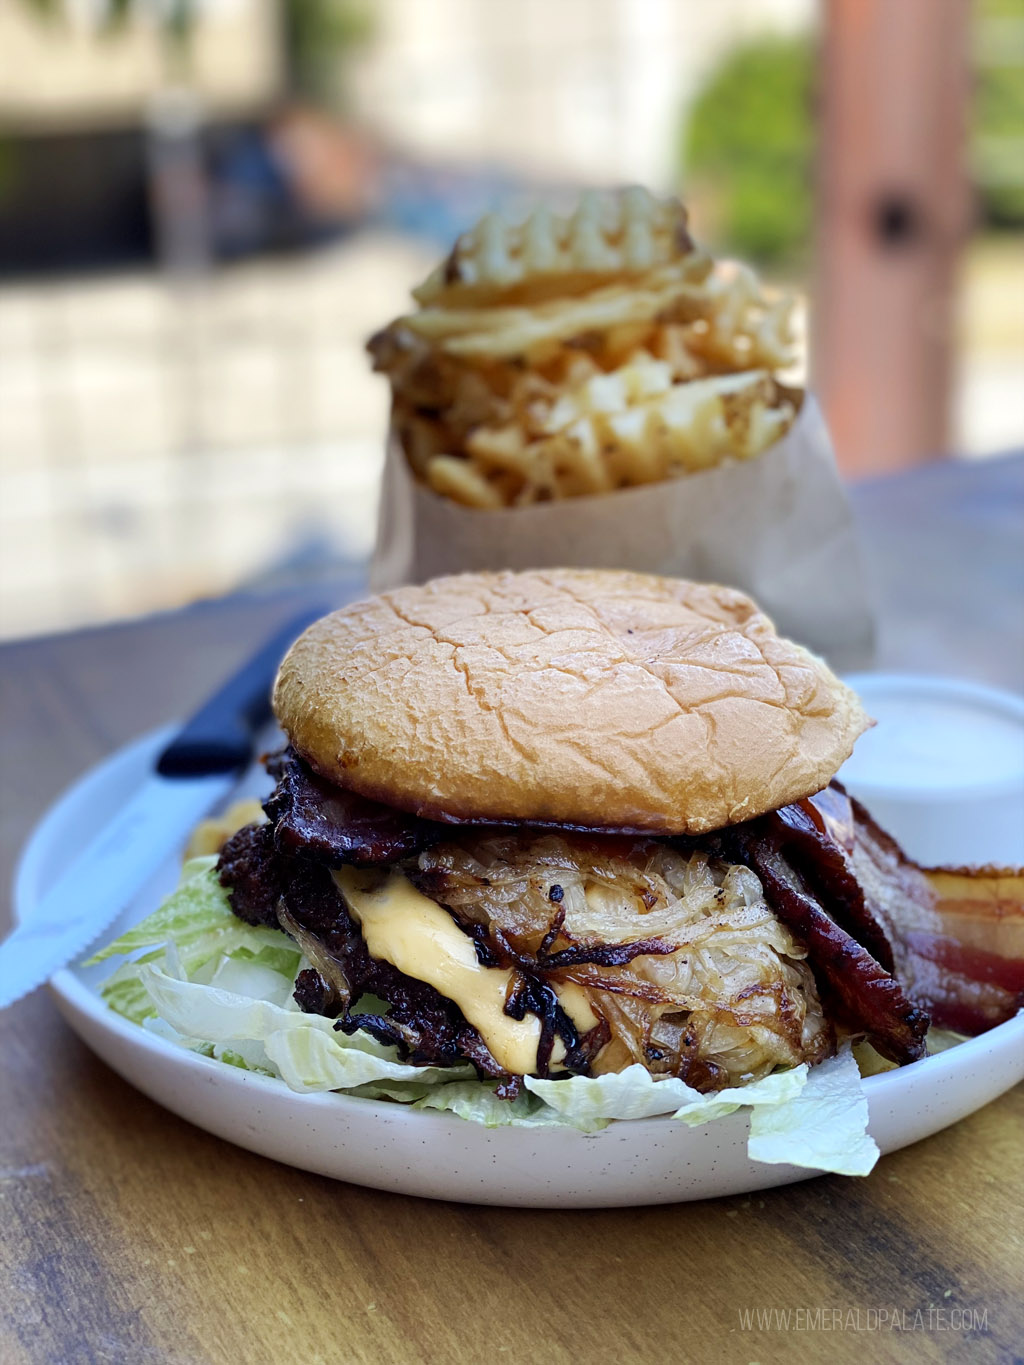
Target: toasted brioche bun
(585, 697)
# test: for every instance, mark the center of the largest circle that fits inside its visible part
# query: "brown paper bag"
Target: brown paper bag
(778, 526)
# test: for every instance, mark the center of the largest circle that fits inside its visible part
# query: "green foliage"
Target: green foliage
(999, 155)
(318, 34)
(998, 142)
(750, 144)
(749, 140)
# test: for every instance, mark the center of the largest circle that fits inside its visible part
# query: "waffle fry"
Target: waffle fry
(720, 317)
(631, 427)
(449, 399)
(577, 355)
(464, 482)
(535, 333)
(742, 328)
(610, 235)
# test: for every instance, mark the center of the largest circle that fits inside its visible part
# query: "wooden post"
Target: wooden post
(893, 211)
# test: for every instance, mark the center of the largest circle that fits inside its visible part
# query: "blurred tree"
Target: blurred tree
(999, 111)
(748, 144)
(317, 36)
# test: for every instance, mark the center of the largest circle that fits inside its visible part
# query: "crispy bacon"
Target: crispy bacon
(968, 987)
(922, 916)
(803, 832)
(315, 819)
(866, 996)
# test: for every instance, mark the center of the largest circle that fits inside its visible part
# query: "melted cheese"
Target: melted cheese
(573, 999)
(402, 926)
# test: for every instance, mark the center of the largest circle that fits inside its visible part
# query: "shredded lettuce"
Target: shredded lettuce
(203, 979)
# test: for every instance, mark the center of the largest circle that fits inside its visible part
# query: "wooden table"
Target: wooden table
(130, 1236)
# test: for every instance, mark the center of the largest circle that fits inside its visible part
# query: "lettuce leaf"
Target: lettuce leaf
(304, 1049)
(823, 1127)
(478, 1103)
(198, 906)
(196, 924)
(204, 980)
(590, 1102)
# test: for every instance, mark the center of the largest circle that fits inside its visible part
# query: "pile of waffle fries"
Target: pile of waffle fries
(575, 355)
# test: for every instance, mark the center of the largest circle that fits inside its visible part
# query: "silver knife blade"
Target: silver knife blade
(196, 771)
(90, 893)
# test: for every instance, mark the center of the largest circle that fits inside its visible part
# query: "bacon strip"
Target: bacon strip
(866, 997)
(975, 964)
(968, 987)
(317, 820)
(804, 833)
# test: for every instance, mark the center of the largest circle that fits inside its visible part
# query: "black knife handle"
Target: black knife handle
(219, 737)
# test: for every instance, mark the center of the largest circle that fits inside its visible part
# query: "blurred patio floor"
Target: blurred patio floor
(157, 445)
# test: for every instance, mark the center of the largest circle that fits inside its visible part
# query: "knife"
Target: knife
(196, 771)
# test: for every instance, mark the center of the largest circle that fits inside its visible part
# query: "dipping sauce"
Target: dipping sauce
(943, 770)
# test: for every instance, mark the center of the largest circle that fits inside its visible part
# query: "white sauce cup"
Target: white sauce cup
(943, 770)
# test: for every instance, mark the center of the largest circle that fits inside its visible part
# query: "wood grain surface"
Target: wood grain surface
(127, 1235)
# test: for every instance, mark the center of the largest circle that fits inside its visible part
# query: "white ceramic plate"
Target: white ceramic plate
(650, 1161)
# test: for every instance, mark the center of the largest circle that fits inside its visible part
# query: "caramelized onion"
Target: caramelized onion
(678, 953)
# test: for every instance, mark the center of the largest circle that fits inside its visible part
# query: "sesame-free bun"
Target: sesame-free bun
(584, 697)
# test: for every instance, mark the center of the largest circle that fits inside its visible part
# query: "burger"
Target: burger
(567, 846)
(563, 823)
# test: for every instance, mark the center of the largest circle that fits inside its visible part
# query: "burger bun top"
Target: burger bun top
(595, 698)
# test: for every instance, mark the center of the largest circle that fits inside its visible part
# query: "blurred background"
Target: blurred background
(206, 207)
